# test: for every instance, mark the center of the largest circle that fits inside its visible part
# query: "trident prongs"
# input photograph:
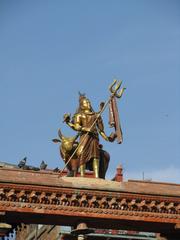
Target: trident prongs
(114, 87)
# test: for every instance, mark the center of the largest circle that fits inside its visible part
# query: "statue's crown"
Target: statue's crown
(81, 96)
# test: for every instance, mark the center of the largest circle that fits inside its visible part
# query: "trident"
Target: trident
(113, 88)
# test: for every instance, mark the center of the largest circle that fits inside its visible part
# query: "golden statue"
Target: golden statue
(88, 153)
(89, 139)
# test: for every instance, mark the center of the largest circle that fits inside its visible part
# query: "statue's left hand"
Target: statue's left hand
(112, 137)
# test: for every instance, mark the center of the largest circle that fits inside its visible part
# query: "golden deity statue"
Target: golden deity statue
(82, 122)
(87, 152)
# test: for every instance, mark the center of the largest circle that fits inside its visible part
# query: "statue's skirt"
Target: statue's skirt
(89, 148)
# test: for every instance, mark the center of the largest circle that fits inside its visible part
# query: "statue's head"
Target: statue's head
(84, 103)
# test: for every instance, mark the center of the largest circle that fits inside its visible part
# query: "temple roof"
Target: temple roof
(47, 178)
(46, 198)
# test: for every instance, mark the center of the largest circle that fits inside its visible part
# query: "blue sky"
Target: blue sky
(50, 50)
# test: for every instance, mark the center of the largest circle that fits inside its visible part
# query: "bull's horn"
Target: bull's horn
(60, 134)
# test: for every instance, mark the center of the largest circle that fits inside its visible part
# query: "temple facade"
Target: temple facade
(37, 203)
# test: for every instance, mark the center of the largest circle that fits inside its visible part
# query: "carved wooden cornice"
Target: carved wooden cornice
(76, 201)
(88, 199)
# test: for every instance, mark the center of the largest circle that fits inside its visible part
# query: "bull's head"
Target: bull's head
(67, 143)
